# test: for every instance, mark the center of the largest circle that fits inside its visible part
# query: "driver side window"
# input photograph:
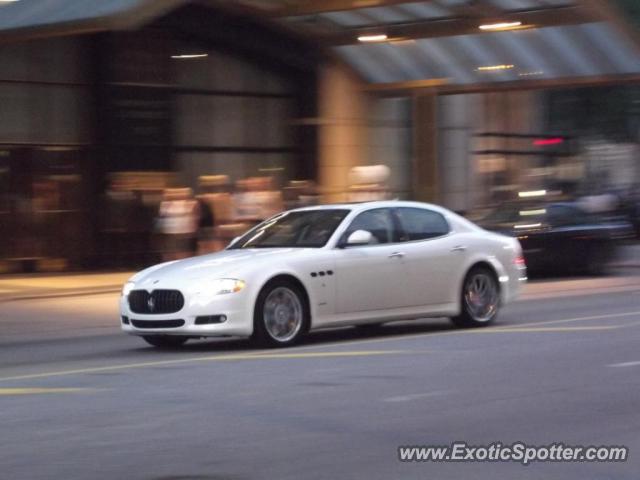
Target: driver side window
(564, 216)
(378, 222)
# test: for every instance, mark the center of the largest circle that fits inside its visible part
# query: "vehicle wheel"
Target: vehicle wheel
(165, 341)
(480, 299)
(281, 316)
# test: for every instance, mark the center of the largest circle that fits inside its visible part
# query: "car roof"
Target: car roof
(362, 206)
(516, 204)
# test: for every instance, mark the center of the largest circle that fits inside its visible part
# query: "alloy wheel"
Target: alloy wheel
(283, 314)
(481, 296)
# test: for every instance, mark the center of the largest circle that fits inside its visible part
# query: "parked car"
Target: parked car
(560, 237)
(325, 266)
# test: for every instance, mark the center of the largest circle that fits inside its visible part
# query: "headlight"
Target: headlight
(126, 289)
(221, 286)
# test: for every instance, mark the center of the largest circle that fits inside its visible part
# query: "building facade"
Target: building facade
(104, 107)
(94, 127)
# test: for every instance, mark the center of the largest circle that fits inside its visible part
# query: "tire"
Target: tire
(281, 316)
(165, 341)
(479, 299)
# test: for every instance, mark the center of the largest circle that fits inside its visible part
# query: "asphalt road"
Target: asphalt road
(79, 400)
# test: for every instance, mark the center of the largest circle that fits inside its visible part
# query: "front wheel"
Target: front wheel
(165, 341)
(281, 314)
(480, 299)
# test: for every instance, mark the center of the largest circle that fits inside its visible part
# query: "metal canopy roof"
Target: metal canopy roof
(24, 18)
(429, 43)
(439, 42)
(591, 49)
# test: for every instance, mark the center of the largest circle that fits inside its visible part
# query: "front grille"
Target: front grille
(157, 323)
(156, 302)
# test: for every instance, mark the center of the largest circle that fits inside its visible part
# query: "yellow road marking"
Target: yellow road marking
(549, 329)
(574, 319)
(301, 351)
(39, 391)
(463, 332)
(363, 353)
(212, 358)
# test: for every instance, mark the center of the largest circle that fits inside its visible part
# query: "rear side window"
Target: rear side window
(421, 224)
(565, 215)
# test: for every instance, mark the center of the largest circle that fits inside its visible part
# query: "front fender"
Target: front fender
(259, 283)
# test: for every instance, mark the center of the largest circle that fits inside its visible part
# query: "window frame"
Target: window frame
(405, 234)
(341, 239)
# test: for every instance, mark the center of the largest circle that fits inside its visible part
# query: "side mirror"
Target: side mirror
(359, 237)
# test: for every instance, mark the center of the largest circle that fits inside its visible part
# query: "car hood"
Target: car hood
(215, 265)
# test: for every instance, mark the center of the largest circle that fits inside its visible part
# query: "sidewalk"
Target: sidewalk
(24, 287)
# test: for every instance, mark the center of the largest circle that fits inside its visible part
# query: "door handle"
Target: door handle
(397, 255)
(459, 248)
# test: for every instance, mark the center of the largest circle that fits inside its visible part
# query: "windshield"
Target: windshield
(301, 229)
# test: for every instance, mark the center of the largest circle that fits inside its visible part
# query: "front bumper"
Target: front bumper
(236, 307)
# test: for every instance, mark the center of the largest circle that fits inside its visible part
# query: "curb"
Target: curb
(59, 294)
(624, 265)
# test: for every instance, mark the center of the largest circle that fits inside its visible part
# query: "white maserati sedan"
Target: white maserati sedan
(328, 266)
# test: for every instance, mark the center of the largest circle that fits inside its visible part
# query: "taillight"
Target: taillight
(519, 261)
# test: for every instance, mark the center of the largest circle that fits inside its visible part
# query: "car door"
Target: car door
(568, 240)
(434, 256)
(370, 277)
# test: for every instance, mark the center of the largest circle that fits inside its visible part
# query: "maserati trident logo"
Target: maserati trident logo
(151, 303)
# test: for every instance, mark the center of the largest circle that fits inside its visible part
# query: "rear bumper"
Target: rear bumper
(512, 284)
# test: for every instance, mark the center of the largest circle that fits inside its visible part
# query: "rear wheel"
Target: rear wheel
(281, 315)
(165, 341)
(480, 299)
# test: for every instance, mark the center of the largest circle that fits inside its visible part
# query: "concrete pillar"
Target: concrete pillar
(425, 147)
(454, 146)
(390, 142)
(468, 180)
(342, 135)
